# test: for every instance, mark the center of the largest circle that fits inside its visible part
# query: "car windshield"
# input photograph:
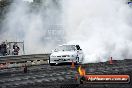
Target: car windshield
(66, 48)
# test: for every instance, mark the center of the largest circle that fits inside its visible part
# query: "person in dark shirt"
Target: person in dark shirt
(3, 49)
(15, 44)
(15, 49)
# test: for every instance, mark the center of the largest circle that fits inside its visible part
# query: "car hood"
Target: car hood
(60, 53)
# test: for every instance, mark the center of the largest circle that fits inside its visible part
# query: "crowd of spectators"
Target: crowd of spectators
(4, 49)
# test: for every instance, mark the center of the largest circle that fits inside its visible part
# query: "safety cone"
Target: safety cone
(73, 65)
(111, 62)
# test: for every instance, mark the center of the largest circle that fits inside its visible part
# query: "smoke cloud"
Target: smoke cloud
(30, 22)
(102, 28)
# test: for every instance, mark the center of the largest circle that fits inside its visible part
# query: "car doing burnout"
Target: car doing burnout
(66, 53)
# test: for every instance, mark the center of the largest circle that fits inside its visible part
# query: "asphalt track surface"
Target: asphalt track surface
(62, 76)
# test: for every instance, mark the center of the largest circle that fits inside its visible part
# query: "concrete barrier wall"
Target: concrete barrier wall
(22, 60)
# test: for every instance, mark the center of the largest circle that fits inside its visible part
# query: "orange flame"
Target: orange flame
(81, 71)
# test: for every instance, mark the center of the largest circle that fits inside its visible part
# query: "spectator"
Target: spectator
(3, 49)
(8, 48)
(15, 49)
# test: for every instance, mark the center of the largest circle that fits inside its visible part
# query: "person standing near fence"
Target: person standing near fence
(15, 49)
(3, 49)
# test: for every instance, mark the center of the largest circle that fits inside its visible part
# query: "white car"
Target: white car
(66, 53)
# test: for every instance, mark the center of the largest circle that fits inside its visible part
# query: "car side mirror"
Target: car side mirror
(80, 49)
